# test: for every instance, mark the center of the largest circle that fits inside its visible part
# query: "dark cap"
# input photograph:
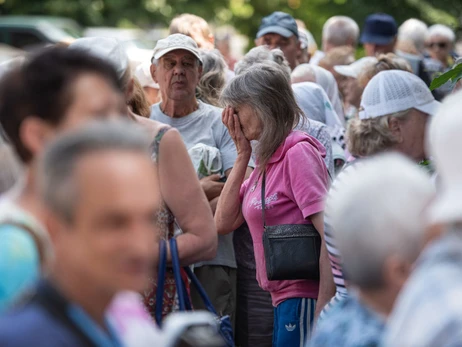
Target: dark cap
(379, 28)
(278, 23)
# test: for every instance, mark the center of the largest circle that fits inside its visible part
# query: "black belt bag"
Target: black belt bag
(291, 250)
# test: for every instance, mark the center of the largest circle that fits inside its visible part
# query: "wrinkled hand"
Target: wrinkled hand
(231, 121)
(212, 186)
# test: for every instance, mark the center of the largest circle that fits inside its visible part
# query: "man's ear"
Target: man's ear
(201, 69)
(153, 70)
(35, 133)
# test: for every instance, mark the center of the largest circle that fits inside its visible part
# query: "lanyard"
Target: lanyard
(91, 329)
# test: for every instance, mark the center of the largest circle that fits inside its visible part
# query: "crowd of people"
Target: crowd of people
(309, 197)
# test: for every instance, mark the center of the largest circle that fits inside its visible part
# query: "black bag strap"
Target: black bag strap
(263, 205)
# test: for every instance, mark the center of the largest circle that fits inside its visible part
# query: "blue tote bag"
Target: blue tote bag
(225, 327)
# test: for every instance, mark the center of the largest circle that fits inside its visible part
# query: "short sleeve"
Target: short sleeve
(306, 177)
(19, 263)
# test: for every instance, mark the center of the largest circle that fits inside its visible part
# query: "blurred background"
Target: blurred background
(26, 24)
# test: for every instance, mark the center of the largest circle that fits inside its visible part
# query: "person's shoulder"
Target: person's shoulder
(155, 111)
(300, 142)
(211, 110)
(29, 326)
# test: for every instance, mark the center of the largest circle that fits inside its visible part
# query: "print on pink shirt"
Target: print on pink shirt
(256, 203)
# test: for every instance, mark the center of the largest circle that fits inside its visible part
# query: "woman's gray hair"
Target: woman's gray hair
(263, 54)
(376, 210)
(266, 89)
(213, 77)
(55, 174)
(366, 137)
(441, 30)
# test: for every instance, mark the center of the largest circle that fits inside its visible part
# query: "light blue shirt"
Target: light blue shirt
(19, 264)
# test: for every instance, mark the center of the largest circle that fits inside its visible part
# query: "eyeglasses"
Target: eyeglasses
(441, 45)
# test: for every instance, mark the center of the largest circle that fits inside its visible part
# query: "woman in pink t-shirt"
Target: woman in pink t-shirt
(262, 107)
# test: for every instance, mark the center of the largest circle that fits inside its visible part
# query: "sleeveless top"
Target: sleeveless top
(166, 224)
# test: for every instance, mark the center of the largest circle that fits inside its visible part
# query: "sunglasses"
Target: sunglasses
(441, 45)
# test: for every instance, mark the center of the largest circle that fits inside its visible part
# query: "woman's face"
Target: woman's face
(251, 124)
(439, 48)
(92, 97)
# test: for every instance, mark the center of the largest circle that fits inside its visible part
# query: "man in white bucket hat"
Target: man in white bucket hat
(429, 311)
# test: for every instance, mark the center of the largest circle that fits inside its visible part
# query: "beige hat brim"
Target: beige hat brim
(163, 52)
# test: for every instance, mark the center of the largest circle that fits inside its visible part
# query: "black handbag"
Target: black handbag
(291, 250)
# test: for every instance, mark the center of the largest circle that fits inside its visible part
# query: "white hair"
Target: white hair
(339, 30)
(323, 78)
(441, 30)
(303, 73)
(261, 55)
(415, 31)
(376, 210)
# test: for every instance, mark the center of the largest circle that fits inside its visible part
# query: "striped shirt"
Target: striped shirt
(334, 254)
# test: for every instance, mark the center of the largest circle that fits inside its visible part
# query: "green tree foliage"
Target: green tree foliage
(245, 15)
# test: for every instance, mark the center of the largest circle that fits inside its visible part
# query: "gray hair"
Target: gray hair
(266, 89)
(213, 77)
(56, 167)
(339, 30)
(415, 31)
(303, 73)
(441, 30)
(262, 54)
(377, 210)
(366, 137)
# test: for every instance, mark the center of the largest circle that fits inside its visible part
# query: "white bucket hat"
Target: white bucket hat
(355, 68)
(445, 141)
(394, 91)
(106, 48)
(174, 42)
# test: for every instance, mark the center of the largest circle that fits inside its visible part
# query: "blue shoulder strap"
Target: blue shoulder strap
(161, 281)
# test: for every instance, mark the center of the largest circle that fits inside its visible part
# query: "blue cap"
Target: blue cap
(379, 28)
(278, 23)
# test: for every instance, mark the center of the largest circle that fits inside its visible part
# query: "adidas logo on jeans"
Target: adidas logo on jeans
(291, 327)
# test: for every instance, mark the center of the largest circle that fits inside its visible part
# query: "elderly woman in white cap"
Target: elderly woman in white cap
(428, 312)
(176, 175)
(395, 109)
(394, 112)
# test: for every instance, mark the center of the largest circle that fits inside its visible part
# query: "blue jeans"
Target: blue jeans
(293, 320)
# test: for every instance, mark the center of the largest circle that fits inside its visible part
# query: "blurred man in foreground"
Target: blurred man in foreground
(101, 192)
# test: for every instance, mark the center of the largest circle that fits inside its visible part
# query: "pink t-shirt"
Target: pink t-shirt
(296, 185)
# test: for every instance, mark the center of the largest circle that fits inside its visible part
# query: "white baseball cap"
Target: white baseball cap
(394, 91)
(174, 42)
(444, 143)
(143, 75)
(355, 68)
(106, 48)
